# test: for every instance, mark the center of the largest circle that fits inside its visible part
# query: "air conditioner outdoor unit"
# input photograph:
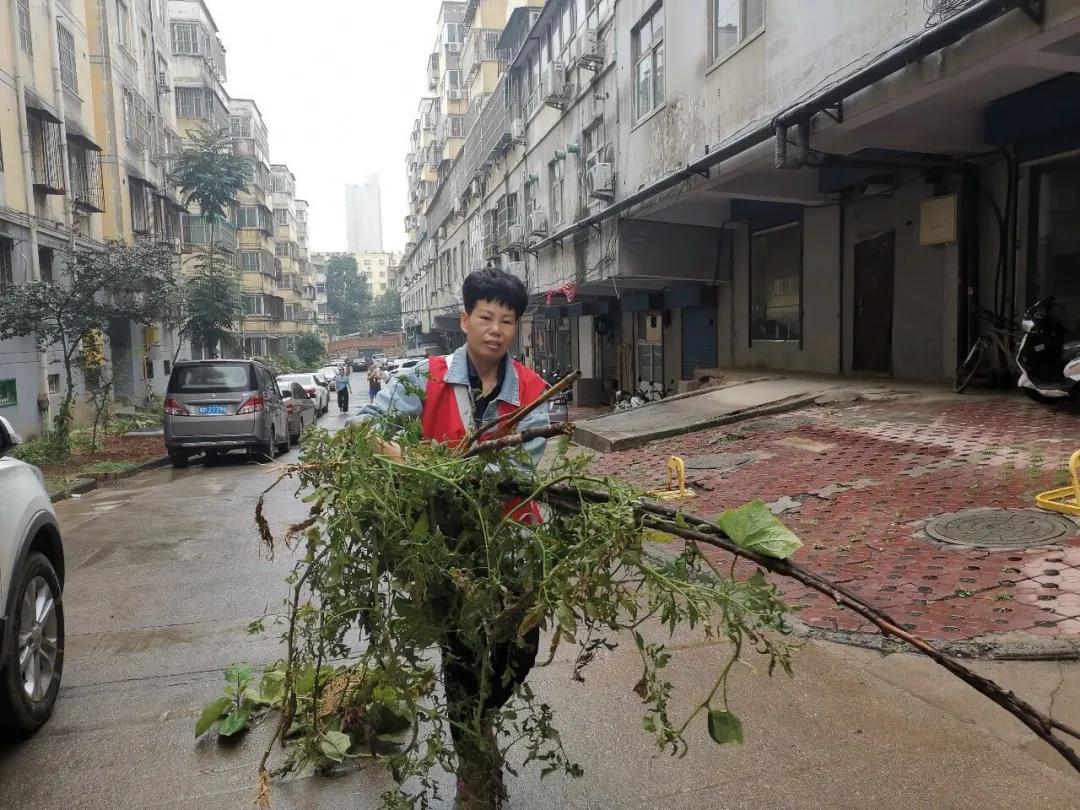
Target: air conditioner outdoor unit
(516, 269)
(590, 53)
(537, 223)
(474, 188)
(600, 181)
(556, 86)
(515, 237)
(454, 94)
(517, 130)
(453, 47)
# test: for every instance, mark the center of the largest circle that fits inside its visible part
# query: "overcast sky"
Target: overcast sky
(338, 82)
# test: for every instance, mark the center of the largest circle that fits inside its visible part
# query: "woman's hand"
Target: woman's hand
(391, 450)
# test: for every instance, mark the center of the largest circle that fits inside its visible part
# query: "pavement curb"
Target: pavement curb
(84, 485)
(594, 441)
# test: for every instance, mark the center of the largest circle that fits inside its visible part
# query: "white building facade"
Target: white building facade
(838, 187)
(363, 215)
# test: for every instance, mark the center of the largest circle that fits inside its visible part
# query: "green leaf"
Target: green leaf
(234, 722)
(724, 727)
(648, 723)
(754, 527)
(335, 745)
(272, 686)
(238, 676)
(305, 680)
(211, 712)
(420, 528)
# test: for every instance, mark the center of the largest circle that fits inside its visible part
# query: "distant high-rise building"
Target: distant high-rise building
(363, 216)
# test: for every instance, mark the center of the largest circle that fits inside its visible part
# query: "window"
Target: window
(7, 247)
(46, 153)
(597, 11)
(25, 39)
(166, 367)
(123, 25)
(453, 33)
(776, 283)
(137, 193)
(190, 102)
(240, 126)
(556, 176)
(84, 165)
(54, 383)
(253, 305)
(648, 40)
(69, 74)
(732, 23)
(45, 263)
(249, 261)
(134, 129)
(281, 216)
(185, 38)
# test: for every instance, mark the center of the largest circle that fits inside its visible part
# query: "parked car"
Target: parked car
(215, 406)
(300, 409)
(359, 364)
(314, 385)
(31, 589)
(404, 365)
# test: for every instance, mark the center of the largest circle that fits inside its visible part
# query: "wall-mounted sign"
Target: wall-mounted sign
(937, 220)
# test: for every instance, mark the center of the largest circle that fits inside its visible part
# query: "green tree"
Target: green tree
(347, 293)
(310, 351)
(210, 175)
(383, 313)
(212, 303)
(125, 282)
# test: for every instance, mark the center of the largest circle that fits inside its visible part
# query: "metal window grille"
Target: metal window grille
(69, 75)
(46, 155)
(185, 38)
(25, 39)
(7, 247)
(86, 183)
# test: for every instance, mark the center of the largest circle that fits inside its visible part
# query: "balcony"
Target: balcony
(195, 230)
(481, 45)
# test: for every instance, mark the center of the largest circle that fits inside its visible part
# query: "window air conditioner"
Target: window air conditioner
(555, 85)
(515, 237)
(590, 53)
(600, 181)
(537, 223)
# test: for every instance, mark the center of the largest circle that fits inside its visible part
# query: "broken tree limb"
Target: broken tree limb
(518, 439)
(506, 423)
(678, 523)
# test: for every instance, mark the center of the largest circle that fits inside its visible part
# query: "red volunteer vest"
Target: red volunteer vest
(441, 419)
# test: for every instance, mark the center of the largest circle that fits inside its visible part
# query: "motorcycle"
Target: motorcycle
(1049, 365)
(559, 406)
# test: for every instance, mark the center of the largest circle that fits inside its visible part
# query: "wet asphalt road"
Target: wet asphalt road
(165, 573)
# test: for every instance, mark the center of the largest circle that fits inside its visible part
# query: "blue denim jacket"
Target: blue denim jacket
(398, 397)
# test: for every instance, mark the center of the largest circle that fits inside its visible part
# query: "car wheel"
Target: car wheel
(266, 451)
(179, 458)
(286, 445)
(34, 660)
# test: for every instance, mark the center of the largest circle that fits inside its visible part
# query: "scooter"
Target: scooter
(1049, 365)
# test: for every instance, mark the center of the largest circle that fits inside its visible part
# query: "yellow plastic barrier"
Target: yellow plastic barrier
(1066, 499)
(676, 476)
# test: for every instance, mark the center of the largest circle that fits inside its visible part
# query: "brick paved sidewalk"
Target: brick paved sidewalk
(858, 483)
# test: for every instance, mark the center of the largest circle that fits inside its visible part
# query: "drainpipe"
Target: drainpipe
(58, 95)
(24, 140)
(44, 404)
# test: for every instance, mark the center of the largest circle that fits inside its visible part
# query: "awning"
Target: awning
(77, 133)
(35, 103)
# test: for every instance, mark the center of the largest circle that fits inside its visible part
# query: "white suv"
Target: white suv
(31, 583)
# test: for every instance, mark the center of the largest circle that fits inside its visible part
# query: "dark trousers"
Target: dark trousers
(343, 399)
(511, 662)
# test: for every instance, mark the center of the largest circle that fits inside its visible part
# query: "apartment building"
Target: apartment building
(130, 69)
(377, 268)
(363, 215)
(740, 184)
(51, 191)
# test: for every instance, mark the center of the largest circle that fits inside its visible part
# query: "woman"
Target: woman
(374, 376)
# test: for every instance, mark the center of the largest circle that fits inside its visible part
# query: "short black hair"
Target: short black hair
(493, 284)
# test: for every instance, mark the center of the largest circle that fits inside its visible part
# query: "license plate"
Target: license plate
(212, 410)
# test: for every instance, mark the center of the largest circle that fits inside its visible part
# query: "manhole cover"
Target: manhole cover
(1000, 528)
(719, 461)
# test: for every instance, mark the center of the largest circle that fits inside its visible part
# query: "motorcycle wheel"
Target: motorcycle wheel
(1031, 393)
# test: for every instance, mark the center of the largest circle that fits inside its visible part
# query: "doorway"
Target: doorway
(873, 324)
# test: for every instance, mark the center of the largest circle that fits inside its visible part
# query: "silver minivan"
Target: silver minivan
(215, 406)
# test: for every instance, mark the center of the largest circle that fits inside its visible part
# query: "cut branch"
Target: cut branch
(667, 519)
(518, 439)
(506, 423)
